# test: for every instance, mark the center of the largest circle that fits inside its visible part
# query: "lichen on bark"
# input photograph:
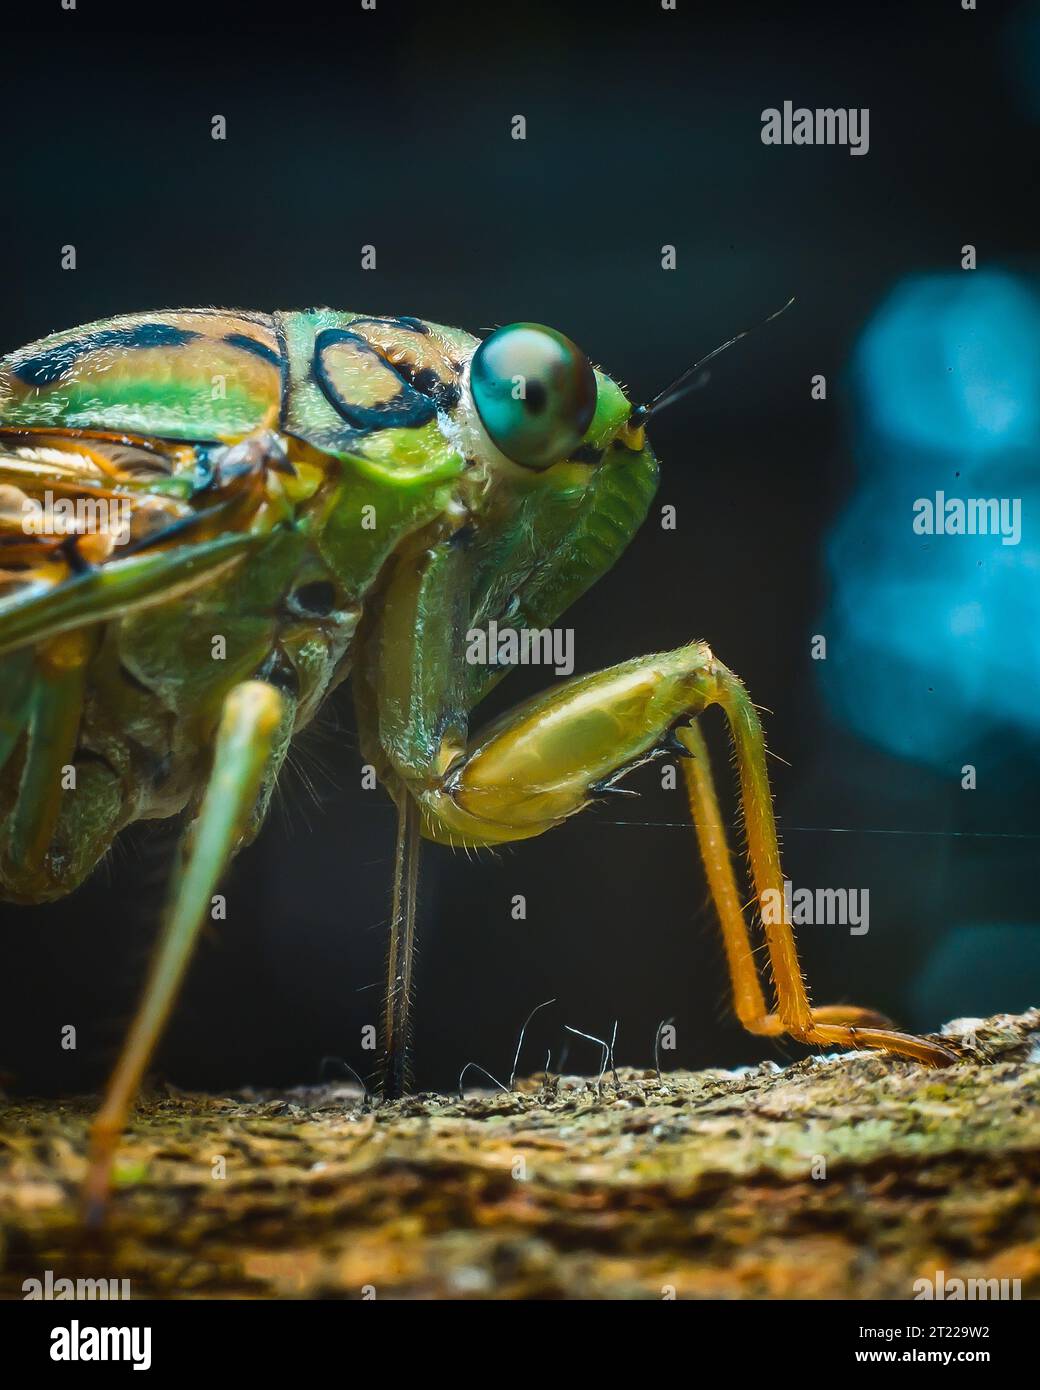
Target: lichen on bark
(841, 1177)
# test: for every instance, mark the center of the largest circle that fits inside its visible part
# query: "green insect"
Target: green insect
(209, 519)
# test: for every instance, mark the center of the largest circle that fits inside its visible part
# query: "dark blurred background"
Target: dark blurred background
(392, 127)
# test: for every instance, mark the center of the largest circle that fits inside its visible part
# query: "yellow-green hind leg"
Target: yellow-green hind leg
(547, 759)
(247, 741)
(400, 962)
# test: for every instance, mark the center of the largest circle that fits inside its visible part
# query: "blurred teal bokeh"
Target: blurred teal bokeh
(980, 969)
(951, 364)
(934, 640)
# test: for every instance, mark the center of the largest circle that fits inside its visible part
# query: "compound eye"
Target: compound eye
(534, 391)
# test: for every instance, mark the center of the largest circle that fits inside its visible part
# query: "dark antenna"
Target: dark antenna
(690, 378)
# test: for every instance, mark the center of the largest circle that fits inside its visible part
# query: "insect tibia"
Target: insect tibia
(401, 953)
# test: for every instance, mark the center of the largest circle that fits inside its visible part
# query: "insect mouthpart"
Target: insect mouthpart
(632, 433)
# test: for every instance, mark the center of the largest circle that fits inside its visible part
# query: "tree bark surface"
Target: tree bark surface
(847, 1176)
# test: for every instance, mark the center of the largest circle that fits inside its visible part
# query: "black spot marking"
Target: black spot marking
(535, 397)
(316, 599)
(426, 380)
(47, 367)
(70, 551)
(445, 393)
(407, 408)
(258, 349)
(283, 395)
(587, 453)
